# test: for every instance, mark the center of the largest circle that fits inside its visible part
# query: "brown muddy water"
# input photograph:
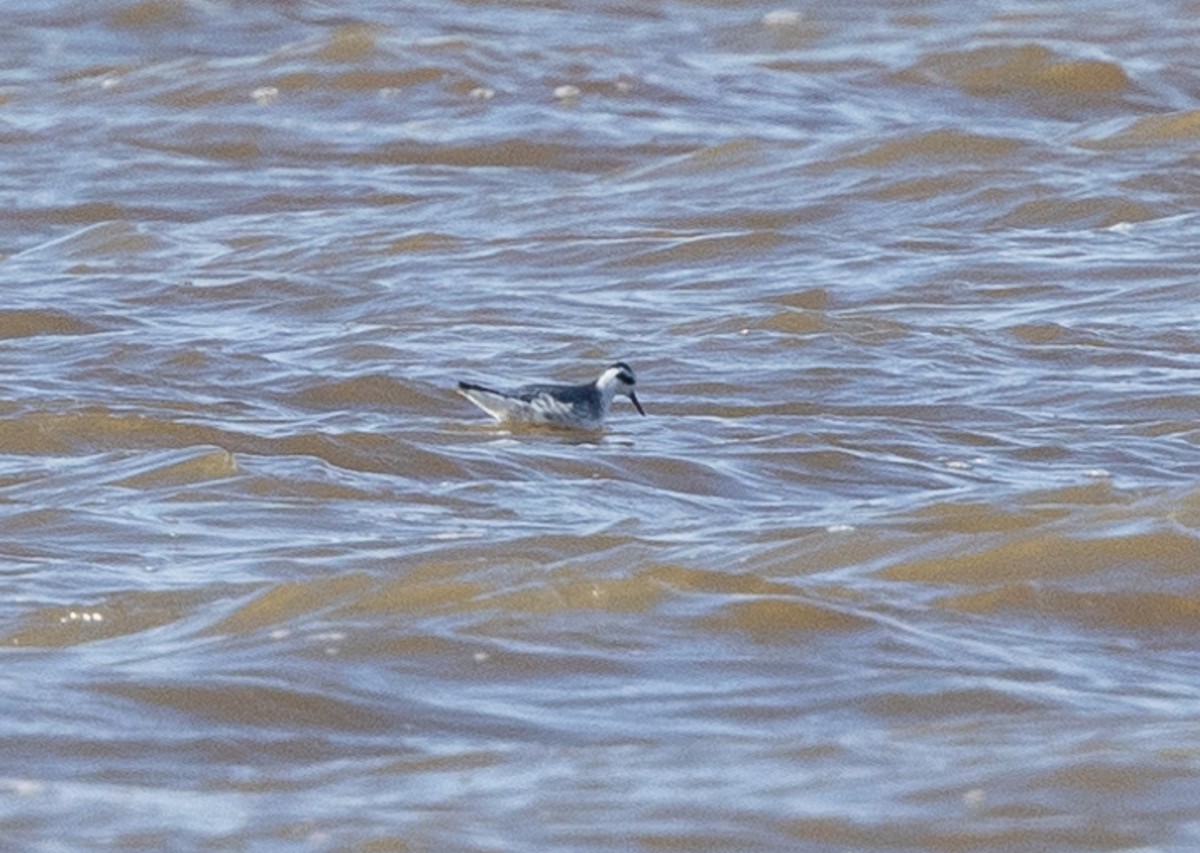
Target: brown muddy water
(904, 557)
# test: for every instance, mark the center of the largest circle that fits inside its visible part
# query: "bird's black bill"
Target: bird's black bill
(636, 404)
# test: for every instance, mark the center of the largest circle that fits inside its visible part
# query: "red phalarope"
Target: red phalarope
(578, 406)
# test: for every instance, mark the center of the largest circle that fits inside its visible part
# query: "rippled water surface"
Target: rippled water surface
(905, 555)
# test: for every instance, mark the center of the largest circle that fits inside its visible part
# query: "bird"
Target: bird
(573, 406)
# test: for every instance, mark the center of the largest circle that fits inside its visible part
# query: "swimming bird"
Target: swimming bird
(579, 406)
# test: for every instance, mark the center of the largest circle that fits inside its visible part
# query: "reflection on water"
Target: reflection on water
(903, 557)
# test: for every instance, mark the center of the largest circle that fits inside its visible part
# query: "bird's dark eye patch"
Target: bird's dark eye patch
(627, 378)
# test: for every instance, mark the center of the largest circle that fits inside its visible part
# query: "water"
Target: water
(903, 557)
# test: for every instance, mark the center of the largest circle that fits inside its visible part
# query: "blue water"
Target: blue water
(902, 557)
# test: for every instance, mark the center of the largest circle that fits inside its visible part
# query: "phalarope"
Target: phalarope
(579, 406)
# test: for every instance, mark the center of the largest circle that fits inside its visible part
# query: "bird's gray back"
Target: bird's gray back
(585, 399)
